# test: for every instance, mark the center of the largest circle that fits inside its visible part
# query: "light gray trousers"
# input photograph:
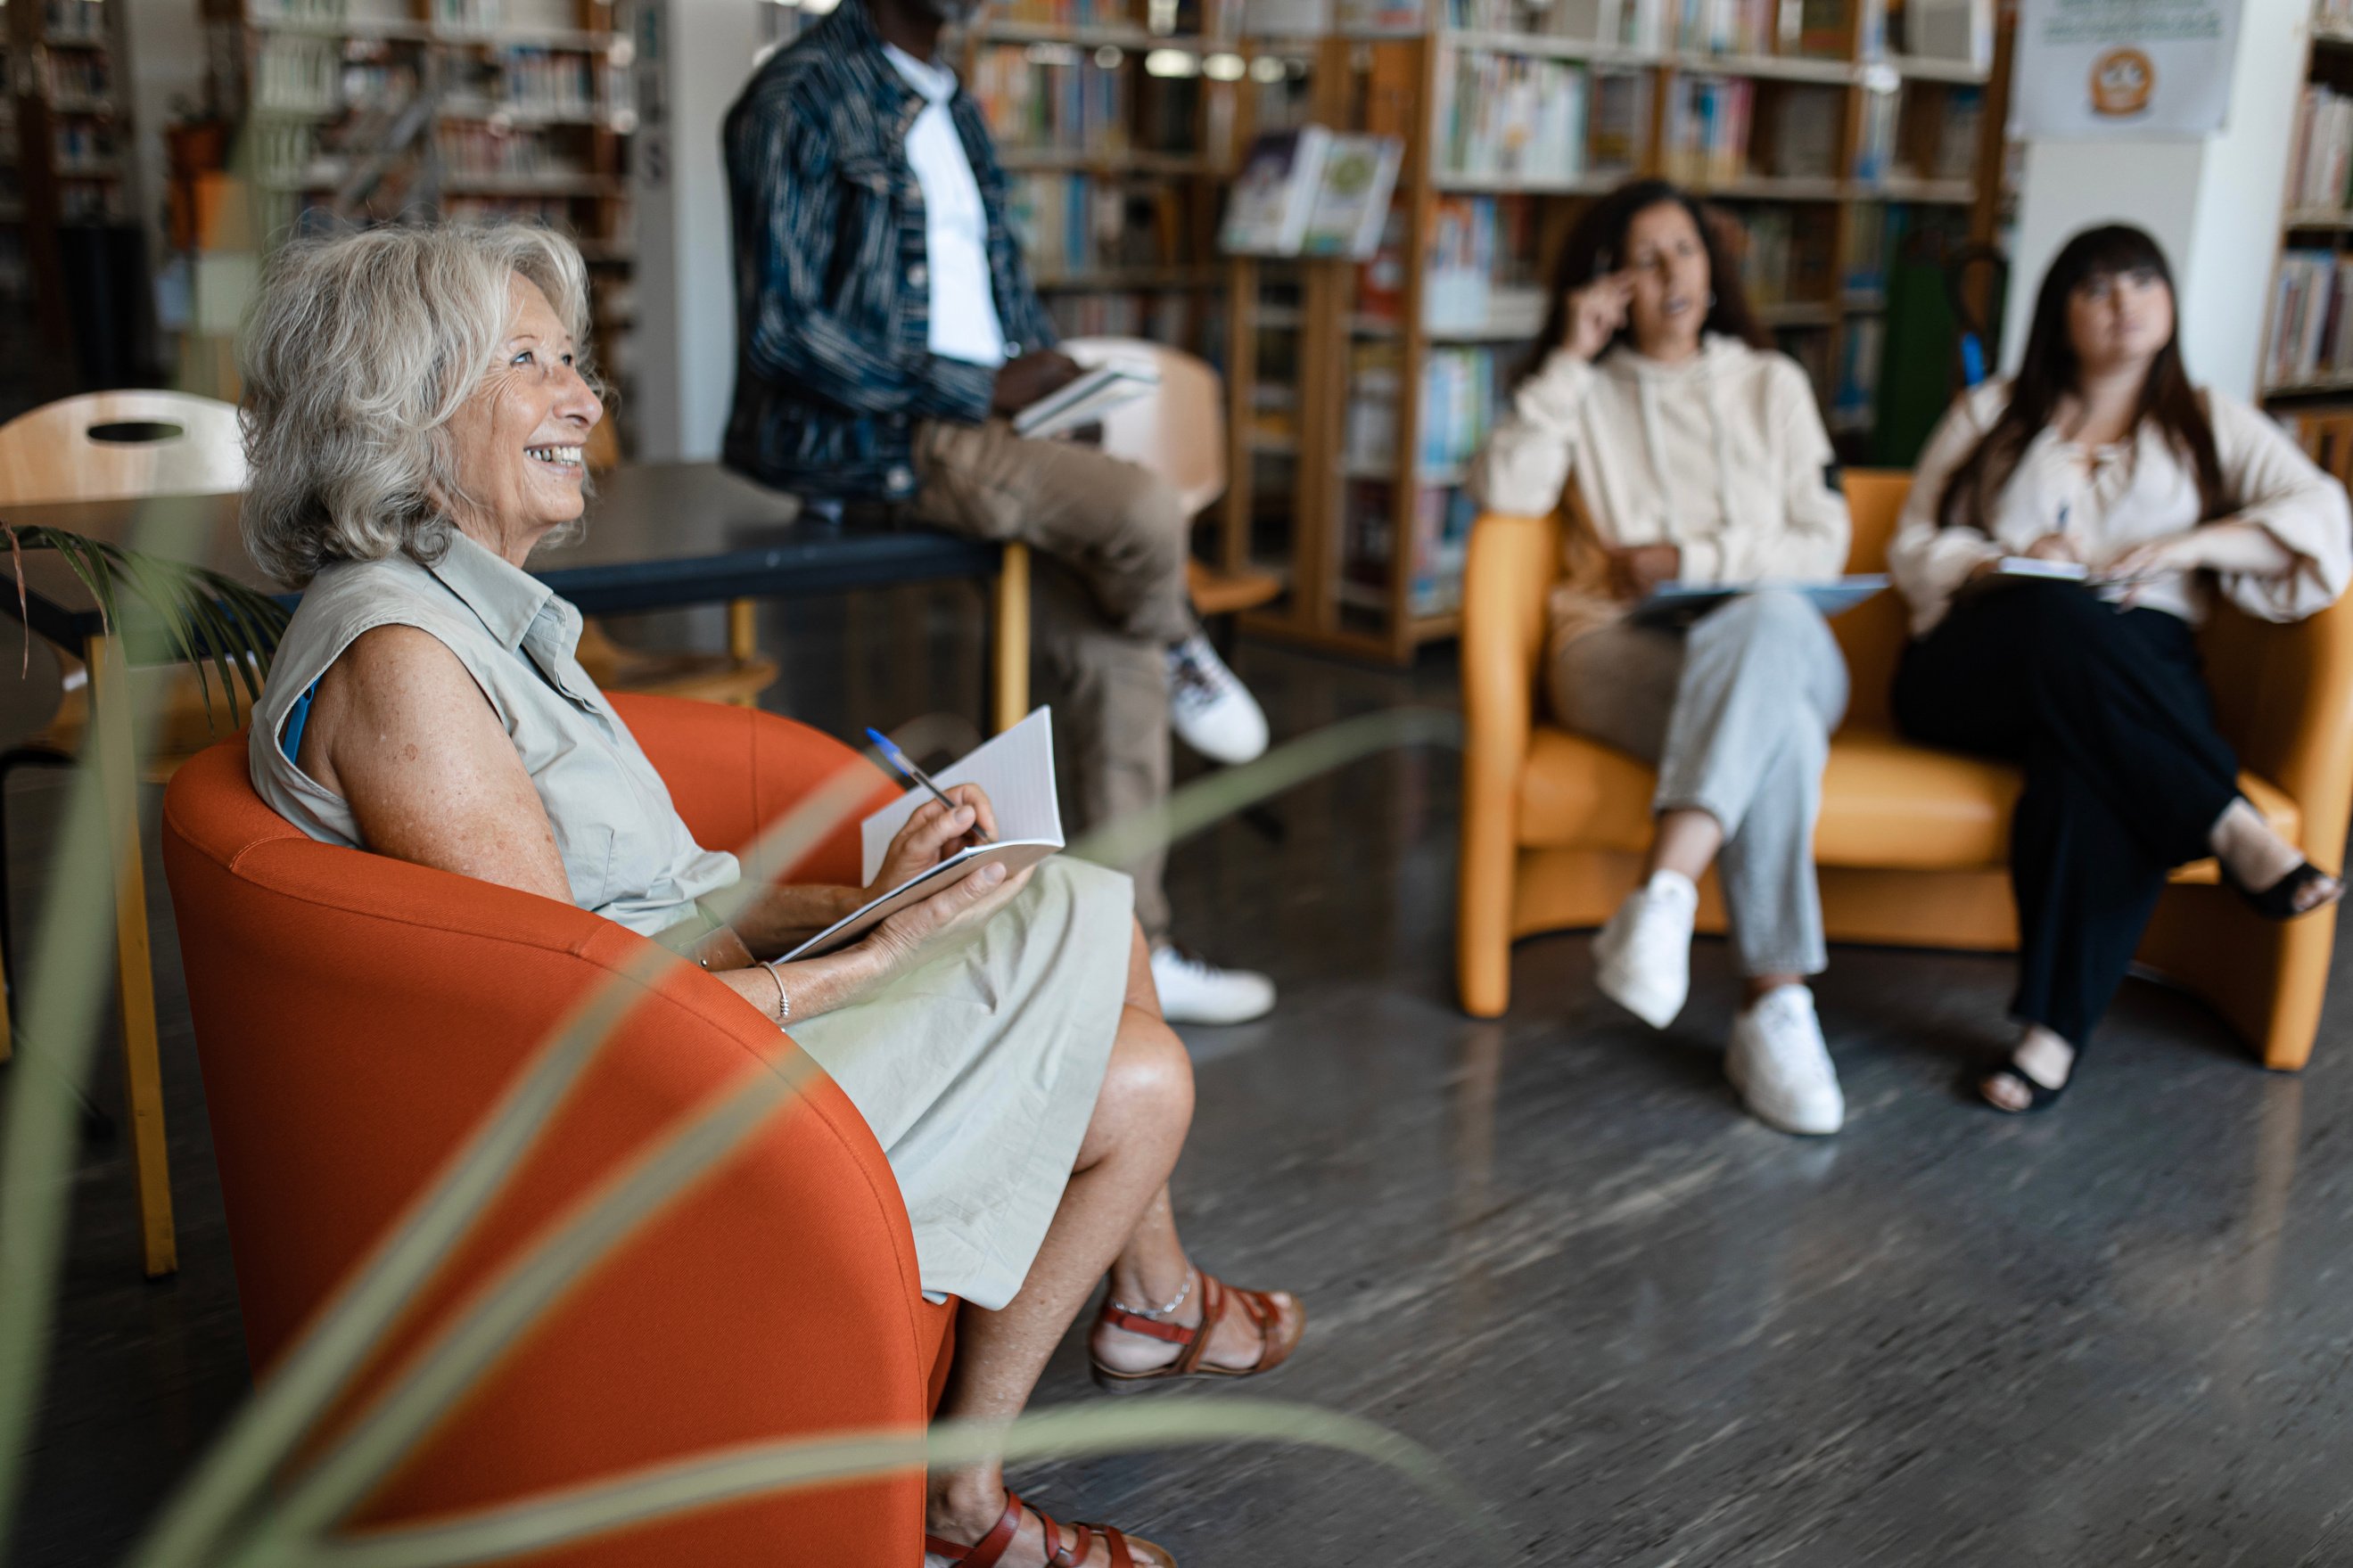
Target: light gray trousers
(1736, 714)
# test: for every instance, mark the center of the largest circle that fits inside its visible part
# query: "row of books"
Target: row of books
(1632, 24)
(1168, 316)
(2312, 330)
(1440, 545)
(494, 15)
(1055, 96)
(74, 20)
(2320, 158)
(1084, 223)
(1782, 259)
(297, 75)
(1515, 117)
(1213, 18)
(546, 82)
(1858, 378)
(1483, 253)
(473, 151)
(78, 73)
(1459, 393)
(1707, 130)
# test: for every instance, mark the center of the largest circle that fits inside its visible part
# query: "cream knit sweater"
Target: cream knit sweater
(1723, 455)
(2106, 500)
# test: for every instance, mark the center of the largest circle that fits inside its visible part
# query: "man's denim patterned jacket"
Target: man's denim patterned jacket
(833, 367)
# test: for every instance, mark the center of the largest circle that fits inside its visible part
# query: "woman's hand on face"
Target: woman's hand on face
(1596, 312)
(932, 835)
(1635, 570)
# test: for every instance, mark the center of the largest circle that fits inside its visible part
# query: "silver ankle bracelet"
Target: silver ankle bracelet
(1191, 1274)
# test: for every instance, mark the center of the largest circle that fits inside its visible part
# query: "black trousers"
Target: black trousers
(2125, 772)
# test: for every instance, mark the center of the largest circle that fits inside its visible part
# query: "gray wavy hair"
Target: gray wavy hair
(360, 349)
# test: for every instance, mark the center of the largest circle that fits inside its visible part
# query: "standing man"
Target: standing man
(887, 330)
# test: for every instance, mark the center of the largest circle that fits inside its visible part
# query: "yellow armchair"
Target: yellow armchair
(1913, 844)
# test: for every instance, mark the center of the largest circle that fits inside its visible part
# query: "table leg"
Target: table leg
(116, 761)
(743, 639)
(1009, 698)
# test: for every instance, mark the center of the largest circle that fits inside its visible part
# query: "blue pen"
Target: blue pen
(905, 764)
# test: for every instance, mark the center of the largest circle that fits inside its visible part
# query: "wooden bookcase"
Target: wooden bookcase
(2315, 404)
(367, 111)
(64, 169)
(1367, 572)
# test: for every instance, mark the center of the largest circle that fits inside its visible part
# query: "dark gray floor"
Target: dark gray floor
(1645, 1328)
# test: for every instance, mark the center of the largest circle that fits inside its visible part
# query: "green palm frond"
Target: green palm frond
(202, 618)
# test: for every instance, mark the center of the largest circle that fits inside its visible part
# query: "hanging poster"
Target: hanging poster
(2123, 68)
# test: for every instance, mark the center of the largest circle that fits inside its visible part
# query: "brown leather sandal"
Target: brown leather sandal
(1260, 1305)
(1126, 1550)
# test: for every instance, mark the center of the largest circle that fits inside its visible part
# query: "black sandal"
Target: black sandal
(2039, 1097)
(2278, 901)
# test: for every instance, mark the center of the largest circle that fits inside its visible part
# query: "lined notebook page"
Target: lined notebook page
(1016, 772)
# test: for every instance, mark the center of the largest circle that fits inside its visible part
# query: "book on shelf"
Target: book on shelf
(1622, 24)
(1394, 18)
(1481, 265)
(1874, 154)
(1620, 120)
(1381, 278)
(1287, 18)
(2311, 329)
(1051, 97)
(2320, 155)
(1736, 26)
(1071, 225)
(1957, 31)
(1266, 212)
(1858, 376)
(1511, 116)
(1351, 204)
(1439, 548)
(1804, 124)
(1707, 129)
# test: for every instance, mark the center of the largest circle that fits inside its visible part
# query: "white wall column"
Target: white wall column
(2212, 202)
(695, 57)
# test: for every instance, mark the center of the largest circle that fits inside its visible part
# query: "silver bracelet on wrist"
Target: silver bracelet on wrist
(784, 1002)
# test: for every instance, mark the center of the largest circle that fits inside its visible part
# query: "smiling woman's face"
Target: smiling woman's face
(519, 438)
(1668, 262)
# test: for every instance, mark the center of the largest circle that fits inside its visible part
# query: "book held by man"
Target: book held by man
(1087, 397)
(1015, 770)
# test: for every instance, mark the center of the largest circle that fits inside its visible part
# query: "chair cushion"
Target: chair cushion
(1885, 804)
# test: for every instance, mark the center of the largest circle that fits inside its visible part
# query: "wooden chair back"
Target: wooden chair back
(1178, 433)
(110, 445)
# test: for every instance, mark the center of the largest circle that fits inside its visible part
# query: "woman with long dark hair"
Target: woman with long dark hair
(2101, 463)
(1682, 448)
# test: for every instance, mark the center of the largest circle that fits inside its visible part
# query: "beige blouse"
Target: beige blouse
(2112, 497)
(627, 853)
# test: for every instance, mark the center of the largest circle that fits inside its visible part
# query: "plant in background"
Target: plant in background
(189, 614)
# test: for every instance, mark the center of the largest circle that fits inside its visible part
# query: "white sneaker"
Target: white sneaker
(1781, 1068)
(1641, 960)
(1195, 990)
(1209, 707)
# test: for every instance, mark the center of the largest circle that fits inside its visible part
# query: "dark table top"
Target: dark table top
(658, 535)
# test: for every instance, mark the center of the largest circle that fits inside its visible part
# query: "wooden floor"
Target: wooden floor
(1643, 1328)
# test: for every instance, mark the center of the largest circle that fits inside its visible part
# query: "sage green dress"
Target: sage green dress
(977, 1071)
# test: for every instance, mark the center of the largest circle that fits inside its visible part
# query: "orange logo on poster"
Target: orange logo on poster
(2122, 81)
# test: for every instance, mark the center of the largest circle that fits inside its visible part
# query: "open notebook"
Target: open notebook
(1016, 771)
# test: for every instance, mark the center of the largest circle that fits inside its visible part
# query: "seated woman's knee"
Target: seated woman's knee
(1149, 1081)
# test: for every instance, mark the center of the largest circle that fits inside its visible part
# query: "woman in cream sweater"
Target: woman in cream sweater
(2101, 460)
(1684, 450)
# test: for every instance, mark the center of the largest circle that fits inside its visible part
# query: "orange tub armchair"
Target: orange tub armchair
(357, 1016)
(1912, 845)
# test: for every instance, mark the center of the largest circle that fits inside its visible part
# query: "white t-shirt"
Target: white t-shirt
(955, 226)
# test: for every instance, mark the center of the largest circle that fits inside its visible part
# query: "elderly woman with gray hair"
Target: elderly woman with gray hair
(417, 407)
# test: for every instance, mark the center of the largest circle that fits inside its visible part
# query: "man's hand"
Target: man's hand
(1028, 377)
(1636, 570)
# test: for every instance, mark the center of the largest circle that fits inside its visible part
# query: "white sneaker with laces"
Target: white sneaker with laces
(1641, 960)
(1209, 707)
(1781, 1068)
(1195, 990)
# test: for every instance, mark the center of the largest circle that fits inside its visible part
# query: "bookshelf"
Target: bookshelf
(1807, 126)
(369, 111)
(66, 198)
(2305, 372)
